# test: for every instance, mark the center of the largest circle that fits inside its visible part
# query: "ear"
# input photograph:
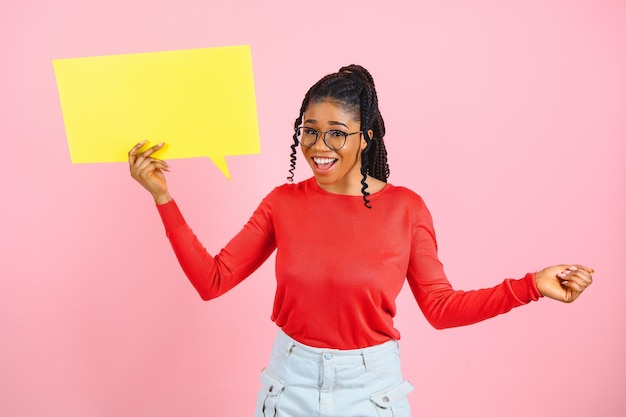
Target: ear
(370, 133)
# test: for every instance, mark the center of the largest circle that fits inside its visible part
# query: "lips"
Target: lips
(324, 163)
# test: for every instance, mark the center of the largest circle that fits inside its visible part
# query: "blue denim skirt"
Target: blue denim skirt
(303, 381)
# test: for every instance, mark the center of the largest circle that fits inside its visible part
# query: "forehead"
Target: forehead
(326, 110)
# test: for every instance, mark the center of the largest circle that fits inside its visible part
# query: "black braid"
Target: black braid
(365, 106)
(364, 164)
(352, 87)
(294, 146)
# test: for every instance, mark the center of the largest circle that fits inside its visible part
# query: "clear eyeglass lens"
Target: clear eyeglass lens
(307, 136)
(334, 139)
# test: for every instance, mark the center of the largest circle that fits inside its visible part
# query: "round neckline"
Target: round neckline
(371, 195)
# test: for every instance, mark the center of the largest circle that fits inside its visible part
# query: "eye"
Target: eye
(309, 131)
(337, 133)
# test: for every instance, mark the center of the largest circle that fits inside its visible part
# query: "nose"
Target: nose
(320, 143)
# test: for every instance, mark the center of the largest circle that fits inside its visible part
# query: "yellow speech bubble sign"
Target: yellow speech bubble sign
(201, 102)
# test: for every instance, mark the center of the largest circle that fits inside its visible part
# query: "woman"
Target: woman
(346, 240)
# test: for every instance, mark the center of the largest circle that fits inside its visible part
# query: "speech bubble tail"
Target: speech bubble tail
(220, 163)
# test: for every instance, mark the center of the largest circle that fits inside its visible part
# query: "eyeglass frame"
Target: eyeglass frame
(317, 137)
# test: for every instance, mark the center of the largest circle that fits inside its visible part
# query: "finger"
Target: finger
(573, 270)
(150, 162)
(575, 283)
(585, 277)
(578, 280)
(586, 268)
(148, 165)
(569, 269)
(564, 274)
(146, 154)
(150, 151)
(132, 154)
(161, 164)
(571, 286)
(577, 267)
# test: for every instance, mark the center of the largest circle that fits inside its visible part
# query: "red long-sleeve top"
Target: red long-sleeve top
(340, 265)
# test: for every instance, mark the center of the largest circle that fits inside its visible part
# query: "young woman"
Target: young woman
(346, 240)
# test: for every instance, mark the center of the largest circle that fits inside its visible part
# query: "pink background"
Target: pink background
(506, 116)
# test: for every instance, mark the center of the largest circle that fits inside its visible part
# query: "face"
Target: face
(336, 171)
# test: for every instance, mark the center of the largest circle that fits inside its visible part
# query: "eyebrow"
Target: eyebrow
(331, 122)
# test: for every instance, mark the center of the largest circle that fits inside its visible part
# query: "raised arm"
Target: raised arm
(211, 275)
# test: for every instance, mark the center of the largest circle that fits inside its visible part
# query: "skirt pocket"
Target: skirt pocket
(271, 388)
(393, 401)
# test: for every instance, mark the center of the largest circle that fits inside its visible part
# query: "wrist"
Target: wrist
(537, 284)
(162, 198)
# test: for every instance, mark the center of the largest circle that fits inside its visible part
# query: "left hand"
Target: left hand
(564, 282)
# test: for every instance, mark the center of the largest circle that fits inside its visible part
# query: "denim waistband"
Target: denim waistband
(285, 345)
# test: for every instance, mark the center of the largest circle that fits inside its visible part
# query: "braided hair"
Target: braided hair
(353, 88)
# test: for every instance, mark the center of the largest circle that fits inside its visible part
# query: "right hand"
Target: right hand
(148, 171)
(564, 282)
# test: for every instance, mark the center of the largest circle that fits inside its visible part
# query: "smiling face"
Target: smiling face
(336, 171)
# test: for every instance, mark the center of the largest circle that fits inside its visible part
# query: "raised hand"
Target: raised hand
(564, 282)
(148, 171)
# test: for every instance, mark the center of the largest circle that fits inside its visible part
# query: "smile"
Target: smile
(324, 163)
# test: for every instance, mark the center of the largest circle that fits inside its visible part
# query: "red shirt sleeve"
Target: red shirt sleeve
(212, 276)
(445, 307)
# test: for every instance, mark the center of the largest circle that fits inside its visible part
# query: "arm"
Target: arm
(211, 276)
(445, 307)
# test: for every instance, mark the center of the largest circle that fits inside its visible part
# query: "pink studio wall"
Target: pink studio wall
(506, 116)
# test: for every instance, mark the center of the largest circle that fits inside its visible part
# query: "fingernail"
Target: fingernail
(572, 268)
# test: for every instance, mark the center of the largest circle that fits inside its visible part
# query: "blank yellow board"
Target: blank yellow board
(200, 102)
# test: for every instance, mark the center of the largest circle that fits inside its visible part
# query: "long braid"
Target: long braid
(380, 167)
(294, 145)
(365, 107)
(353, 87)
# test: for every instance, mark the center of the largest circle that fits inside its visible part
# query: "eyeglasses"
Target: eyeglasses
(334, 139)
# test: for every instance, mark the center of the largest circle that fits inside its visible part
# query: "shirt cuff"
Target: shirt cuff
(525, 289)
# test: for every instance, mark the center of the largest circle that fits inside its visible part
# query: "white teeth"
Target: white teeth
(322, 161)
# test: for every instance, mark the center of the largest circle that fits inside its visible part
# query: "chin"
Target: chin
(324, 180)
